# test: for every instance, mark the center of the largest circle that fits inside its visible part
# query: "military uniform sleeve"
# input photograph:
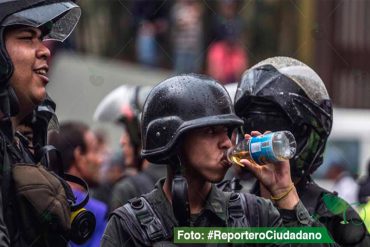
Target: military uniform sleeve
(299, 216)
(270, 216)
(273, 217)
(115, 234)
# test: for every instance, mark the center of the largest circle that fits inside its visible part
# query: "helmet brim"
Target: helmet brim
(59, 18)
(229, 120)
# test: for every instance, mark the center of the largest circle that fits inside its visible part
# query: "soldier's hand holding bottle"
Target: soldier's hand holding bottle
(267, 157)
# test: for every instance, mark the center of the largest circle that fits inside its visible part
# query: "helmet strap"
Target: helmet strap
(180, 201)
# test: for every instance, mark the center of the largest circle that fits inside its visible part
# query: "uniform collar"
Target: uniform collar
(216, 201)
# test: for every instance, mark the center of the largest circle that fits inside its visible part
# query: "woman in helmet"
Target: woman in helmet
(23, 77)
(186, 124)
(282, 93)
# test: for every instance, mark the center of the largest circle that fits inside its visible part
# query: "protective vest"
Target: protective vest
(149, 229)
(39, 207)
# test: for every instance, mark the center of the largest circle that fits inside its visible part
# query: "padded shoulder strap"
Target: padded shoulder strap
(243, 210)
(252, 206)
(139, 213)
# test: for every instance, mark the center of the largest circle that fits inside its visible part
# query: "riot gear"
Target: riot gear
(178, 105)
(283, 93)
(183, 121)
(82, 222)
(67, 216)
(174, 107)
(56, 19)
(38, 202)
(48, 200)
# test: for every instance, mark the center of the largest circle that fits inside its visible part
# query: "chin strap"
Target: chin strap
(180, 201)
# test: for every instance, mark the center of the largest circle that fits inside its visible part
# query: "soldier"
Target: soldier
(186, 123)
(282, 93)
(36, 204)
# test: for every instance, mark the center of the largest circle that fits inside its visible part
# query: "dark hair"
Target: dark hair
(70, 136)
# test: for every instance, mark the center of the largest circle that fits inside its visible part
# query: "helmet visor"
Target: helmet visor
(265, 121)
(58, 18)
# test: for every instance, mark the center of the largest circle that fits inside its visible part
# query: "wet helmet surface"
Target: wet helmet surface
(178, 105)
(282, 93)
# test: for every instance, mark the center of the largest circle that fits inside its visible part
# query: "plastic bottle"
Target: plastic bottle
(268, 148)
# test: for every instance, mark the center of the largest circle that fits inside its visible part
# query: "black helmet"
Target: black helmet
(284, 93)
(57, 20)
(178, 105)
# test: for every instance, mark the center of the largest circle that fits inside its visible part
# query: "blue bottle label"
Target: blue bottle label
(261, 149)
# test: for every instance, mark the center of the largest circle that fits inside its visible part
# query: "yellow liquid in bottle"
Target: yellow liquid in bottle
(236, 157)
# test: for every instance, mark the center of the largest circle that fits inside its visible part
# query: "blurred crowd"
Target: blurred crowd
(186, 36)
(222, 49)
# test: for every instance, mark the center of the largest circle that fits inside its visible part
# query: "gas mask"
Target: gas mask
(42, 190)
(47, 202)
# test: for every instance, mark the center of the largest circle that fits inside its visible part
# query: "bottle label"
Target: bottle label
(261, 149)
